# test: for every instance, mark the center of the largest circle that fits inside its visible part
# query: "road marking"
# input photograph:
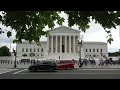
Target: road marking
(19, 71)
(8, 71)
(68, 73)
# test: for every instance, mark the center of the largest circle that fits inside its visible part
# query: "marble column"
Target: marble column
(60, 44)
(56, 44)
(51, 44)
(74, 46)
(65, 44)
(48, 43)
(78, 45)
(69, 44)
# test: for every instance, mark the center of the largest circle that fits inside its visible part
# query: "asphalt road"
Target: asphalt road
(61, 74)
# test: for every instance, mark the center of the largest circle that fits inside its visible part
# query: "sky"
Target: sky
(94, 33)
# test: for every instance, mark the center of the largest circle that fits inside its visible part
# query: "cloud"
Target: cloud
(4, 40)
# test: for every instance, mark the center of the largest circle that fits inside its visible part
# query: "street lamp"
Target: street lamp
(80, 45)
(15, 65)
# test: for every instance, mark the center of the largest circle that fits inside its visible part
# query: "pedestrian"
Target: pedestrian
(92, 62)
(85, 62)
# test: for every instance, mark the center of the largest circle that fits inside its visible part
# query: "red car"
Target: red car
(65, 64)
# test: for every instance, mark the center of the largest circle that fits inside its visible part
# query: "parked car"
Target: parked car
(65, 64)
(44, 65)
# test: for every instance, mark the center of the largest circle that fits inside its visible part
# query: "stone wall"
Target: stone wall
(11, 58)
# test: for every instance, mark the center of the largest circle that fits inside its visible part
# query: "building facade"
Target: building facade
(61, 44)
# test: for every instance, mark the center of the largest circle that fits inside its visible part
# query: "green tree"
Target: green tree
(4, 51)
(29, 25)
(114, 54)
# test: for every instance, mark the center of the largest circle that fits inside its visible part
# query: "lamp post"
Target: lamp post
(15, 65)
(80, 45)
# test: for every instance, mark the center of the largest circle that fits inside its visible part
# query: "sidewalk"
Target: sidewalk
(98, 67)
(8, 66)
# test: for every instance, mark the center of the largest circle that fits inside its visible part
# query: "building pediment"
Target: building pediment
(63, 29)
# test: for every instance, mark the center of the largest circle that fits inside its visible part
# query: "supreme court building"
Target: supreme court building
(61, 44)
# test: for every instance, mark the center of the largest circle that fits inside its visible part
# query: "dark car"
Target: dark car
(45, 65)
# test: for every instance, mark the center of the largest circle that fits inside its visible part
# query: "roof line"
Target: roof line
(61, 27)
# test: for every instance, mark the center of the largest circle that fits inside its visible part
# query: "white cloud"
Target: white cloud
(95, 33)
(4, 40)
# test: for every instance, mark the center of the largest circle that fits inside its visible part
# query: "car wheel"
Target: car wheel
(68, 68)
(33, 69)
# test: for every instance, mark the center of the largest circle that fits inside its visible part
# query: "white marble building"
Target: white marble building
(62, 43)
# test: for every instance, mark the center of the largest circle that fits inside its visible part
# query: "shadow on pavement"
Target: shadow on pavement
(42, 71)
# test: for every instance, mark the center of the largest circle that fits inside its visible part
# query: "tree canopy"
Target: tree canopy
(29, 25)
(4, 51)
(114, 54)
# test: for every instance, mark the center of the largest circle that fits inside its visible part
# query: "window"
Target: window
(94, 55)
(32, 54)
(93, 50)
(86, 50)
(30, 50)
(23, 50)
(89, 50)
(41, 55)
(34, 49)
(42, 50)
(24, 55)
(38, 50)
(101, 50)
(97, 50)
(26, 49)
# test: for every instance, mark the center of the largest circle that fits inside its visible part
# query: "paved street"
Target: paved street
(61, 74)
(25, 65)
